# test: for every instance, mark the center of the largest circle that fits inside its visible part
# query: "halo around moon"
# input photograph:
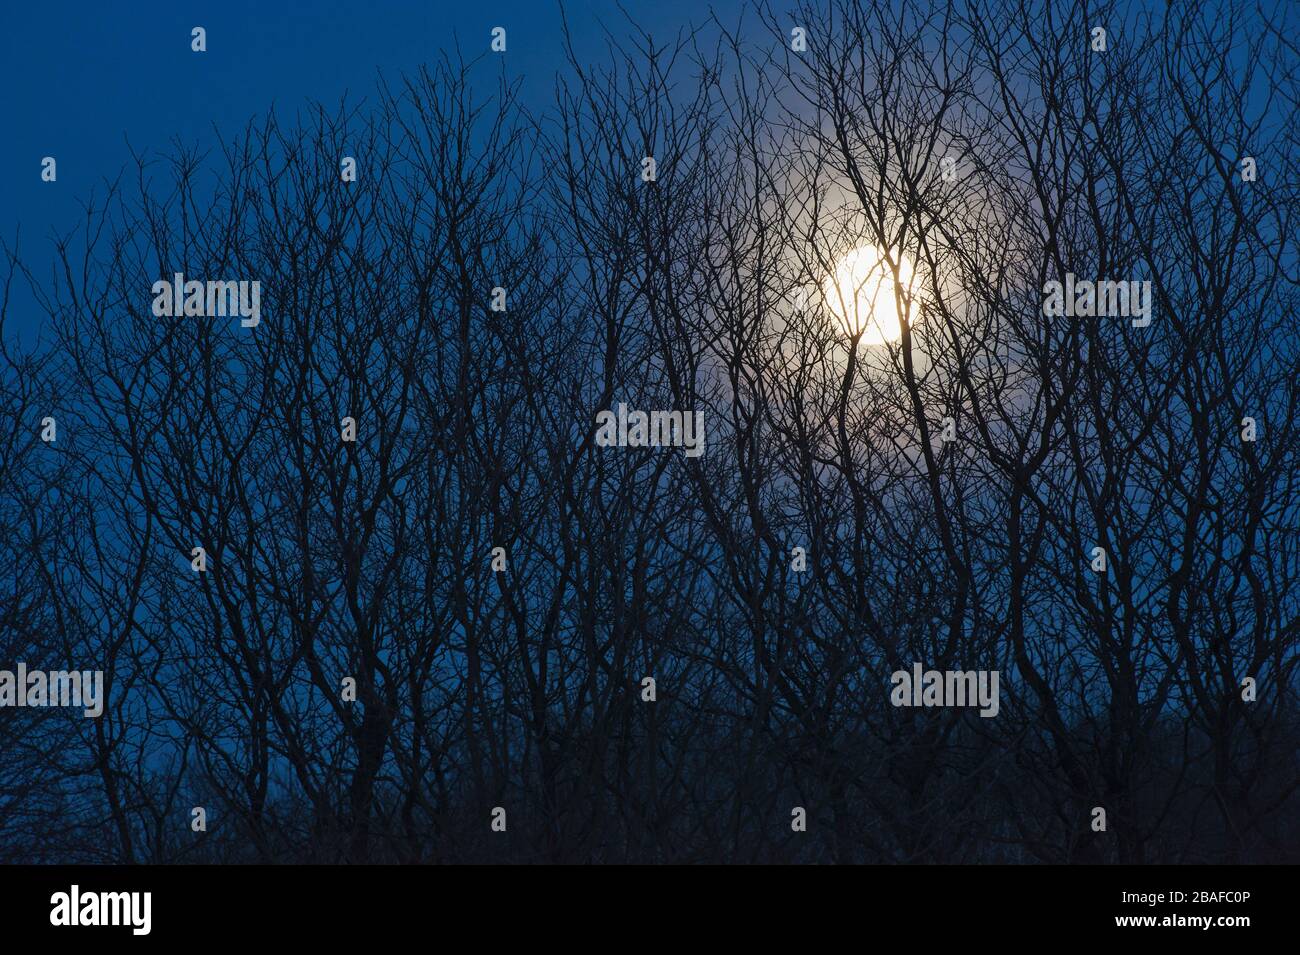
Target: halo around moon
(864, 297)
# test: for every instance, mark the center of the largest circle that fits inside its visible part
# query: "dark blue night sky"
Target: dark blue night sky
(109, 74)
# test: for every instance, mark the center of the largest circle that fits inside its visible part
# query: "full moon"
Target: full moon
(863, 297)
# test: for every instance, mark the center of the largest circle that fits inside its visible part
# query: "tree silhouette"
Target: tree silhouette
(458, 610)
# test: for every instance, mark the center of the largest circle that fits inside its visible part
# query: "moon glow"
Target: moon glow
(864, 297)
